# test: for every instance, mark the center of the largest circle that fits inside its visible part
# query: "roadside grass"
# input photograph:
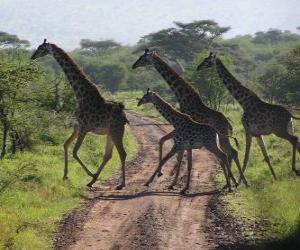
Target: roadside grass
(276, 204)
(33, 196)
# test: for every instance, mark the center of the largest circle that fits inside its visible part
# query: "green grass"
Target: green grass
(33, 196)
(274, 202)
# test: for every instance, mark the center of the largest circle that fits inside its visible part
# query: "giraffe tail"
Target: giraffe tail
(236, 142)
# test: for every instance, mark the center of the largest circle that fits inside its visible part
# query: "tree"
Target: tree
(209, 83)
(9, 40)
(272, 82)
(184, 40)
(110, 75)
(98, 46)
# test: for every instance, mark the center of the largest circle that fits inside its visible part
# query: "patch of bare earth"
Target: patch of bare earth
(140, 217)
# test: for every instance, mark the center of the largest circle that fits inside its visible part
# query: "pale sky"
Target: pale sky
(65, 22)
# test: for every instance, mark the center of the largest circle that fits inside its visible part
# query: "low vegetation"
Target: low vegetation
(33, 196)
(274, 204)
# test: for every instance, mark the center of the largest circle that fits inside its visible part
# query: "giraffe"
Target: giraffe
(187, 135)
(190, 103)
(93, 113)
(259, 118)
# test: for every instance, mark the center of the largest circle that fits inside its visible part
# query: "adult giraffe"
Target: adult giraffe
(93, 113)
(190, 103)
(259, 118)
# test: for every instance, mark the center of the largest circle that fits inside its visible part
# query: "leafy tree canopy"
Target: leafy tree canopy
(99, 46)
(184, 40)
(9, 40)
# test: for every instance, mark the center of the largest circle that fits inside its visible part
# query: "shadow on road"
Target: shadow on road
(152, 193)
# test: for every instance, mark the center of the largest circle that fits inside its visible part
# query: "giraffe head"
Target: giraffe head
(144, 60)
(43, 50)
(147, 98)
(208, 62)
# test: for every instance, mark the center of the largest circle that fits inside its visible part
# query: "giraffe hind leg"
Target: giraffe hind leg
(295, 143)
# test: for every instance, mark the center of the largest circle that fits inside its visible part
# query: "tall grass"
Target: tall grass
(33, 196)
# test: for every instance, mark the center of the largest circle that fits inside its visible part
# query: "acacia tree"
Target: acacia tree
(98, 46)
(8, 40)
(184, 40)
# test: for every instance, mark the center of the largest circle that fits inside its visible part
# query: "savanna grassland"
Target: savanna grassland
(37, 103)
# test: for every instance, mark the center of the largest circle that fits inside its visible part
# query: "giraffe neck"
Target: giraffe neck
(167, 111)
(81, 85)
(242, 94)
(185, 93)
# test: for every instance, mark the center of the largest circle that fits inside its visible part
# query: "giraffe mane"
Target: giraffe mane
(76, 67)
(177, 75)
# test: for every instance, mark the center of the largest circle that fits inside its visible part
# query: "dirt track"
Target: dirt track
(138, 217)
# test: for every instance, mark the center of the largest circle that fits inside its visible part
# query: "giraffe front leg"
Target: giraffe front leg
(80, 138)
(161, 163)
(177, 168)
(190, 164)
(66, 147)
(247, 153)
(262, 145)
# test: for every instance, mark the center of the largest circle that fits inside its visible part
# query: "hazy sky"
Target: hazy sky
(65, 22)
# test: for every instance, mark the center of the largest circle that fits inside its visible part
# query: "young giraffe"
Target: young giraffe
(259, 118)
(190, 103)
(93, 113)
(188, 135)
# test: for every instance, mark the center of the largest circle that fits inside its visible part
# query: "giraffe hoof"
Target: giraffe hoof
(146, 184)
(159, 174)
(65, 178)
(171, 187)
(183, 191)
(119, 187)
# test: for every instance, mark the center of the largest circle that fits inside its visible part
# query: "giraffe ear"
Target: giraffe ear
(146, 50)
(210, 53)
(45, 40)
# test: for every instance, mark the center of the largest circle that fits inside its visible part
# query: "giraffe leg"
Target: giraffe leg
(177, 168)
(228, 150)
(295, 142)
(80, 138)
(178, 163)
(262, 145)
(223, 162)
(163, 140)
(190, 164)
(66, 147)
(232, 154)
(161, 163)
(247, 152)
(117, 137)
(107, 156)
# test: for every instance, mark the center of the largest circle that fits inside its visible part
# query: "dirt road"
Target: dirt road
(138, 217)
